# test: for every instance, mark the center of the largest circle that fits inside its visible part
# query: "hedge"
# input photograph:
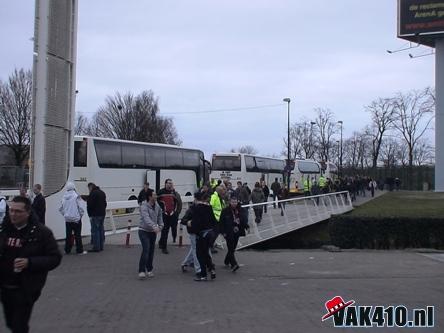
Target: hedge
(386, 232)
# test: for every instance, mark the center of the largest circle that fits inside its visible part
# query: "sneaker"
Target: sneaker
(184, 268)
(213, 274)
(200, 278)
(142, 276)
(235, 268)
(82, 253)
(165, 251)
(150, 274)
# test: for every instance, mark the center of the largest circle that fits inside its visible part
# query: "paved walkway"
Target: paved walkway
(274, 291)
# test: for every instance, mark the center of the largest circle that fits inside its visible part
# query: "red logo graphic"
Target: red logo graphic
(334, 305)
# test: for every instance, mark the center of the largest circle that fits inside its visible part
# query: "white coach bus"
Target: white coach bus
(303, 169)
(246, 168)
(121, 167)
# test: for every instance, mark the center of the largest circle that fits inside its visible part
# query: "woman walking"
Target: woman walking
(151, 224)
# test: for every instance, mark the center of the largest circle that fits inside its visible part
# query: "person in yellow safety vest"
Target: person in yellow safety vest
(307, 186)
(323, 184)
(213, 183)
(217, 203)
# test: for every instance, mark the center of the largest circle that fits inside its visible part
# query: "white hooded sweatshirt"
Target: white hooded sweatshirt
(2, 208)
(71, 208)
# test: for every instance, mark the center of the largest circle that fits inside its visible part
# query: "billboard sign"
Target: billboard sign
(418, 18)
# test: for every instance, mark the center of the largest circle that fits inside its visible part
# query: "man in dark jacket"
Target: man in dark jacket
(202, 225)
(39, 203)
(28, 251)
(143, 193)
(266, 191)
(233, 226)
(96, 207)
(171, 204)
(275, 187)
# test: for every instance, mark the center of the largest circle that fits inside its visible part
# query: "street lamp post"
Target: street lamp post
(287, 100)
(339, 154)
(340, 122)
(311, 138)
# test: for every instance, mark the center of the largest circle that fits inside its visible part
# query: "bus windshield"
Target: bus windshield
(308, 167)
(226, 163)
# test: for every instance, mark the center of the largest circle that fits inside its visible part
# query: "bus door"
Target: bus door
(80, 172)
(151, 178)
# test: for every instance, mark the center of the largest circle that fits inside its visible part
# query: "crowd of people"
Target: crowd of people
(28, 249)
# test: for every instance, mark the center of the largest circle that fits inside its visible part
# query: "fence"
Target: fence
(293, 214)
(289, 215)
(13, 177)
(417, 178)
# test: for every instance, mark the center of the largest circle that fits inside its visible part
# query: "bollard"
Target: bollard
(180, 235)
(128, 234)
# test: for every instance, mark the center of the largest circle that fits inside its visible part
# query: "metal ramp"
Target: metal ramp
(295, 214)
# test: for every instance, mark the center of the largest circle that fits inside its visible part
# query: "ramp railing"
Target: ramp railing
(291, 214)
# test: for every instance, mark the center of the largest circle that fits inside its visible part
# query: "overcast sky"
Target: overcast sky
(225, 55)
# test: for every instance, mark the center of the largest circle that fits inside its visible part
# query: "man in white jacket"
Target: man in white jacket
(72, 212)
(3, 206)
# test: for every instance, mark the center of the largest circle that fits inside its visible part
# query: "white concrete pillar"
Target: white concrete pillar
(439, 119)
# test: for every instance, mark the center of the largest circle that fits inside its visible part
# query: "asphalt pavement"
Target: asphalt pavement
(273, 291)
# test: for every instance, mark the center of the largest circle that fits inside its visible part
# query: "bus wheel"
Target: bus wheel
(131, 210)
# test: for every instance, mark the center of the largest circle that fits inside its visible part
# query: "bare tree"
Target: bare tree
(245, 150)
(423, 152)
(15, 113)
(414, 112)
(82, 125)
(325, 128)
(133, 118)
(402, 154)
(388, 152)
(382, 115)
(302, 140)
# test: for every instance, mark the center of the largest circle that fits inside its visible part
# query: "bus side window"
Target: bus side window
(80, 153)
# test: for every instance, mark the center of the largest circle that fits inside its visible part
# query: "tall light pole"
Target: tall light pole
(340, 122)
(339, 159)
(311, 138)
(287, 100)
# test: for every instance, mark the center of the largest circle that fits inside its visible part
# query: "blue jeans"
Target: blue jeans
(97, 232)
(148, 240)
(191, 257)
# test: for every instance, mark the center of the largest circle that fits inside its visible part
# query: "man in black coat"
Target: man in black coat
(96, 207)
(39, 203)
(143, 193)
(233, 225)
(28, 251)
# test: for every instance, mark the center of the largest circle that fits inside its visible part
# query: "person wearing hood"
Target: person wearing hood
(28, 251)
(3, 208)
(72, 212)
(257, 196)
